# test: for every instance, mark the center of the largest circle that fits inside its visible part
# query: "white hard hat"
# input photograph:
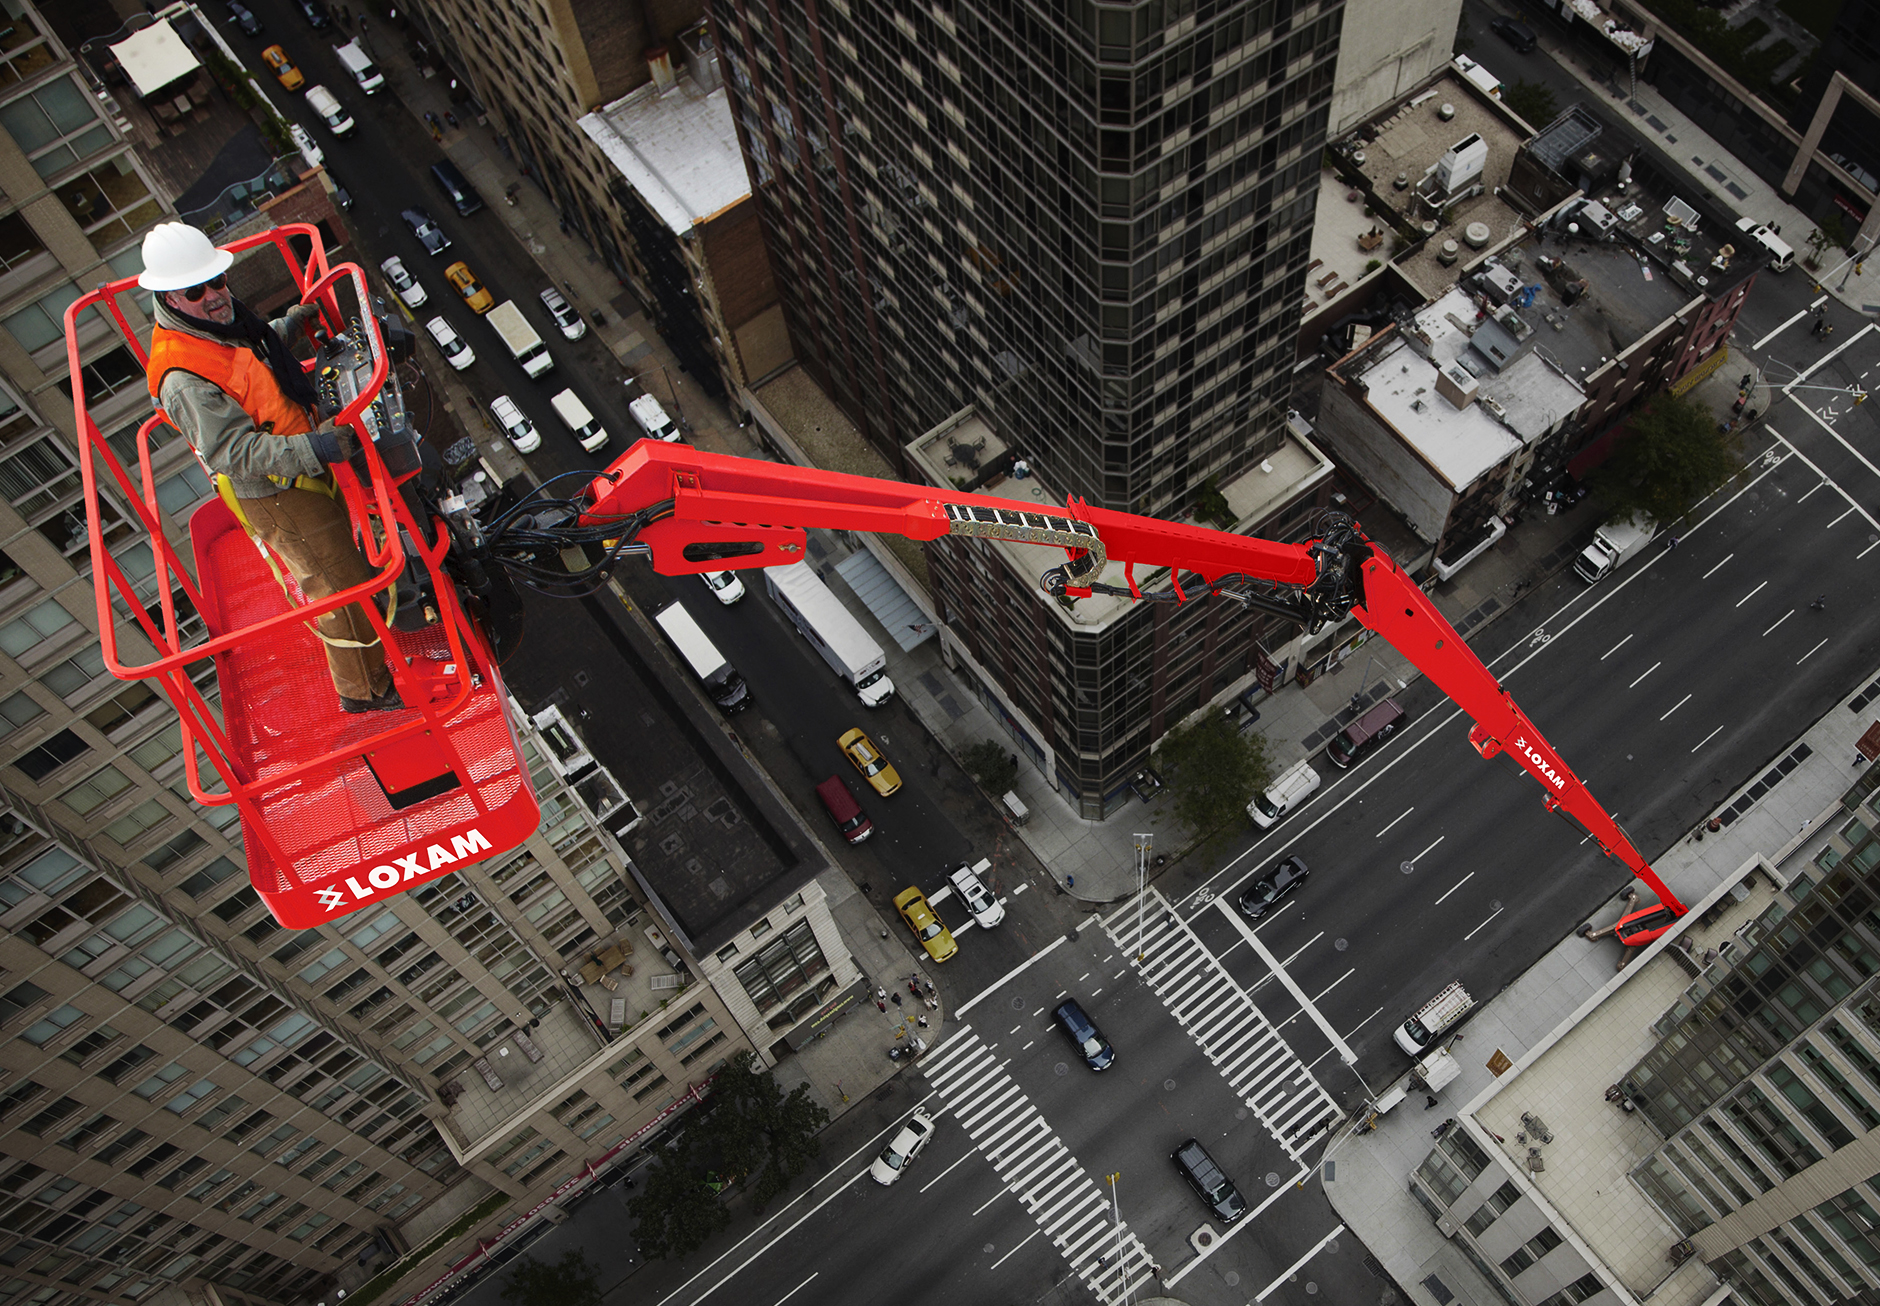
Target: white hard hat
(177, 256)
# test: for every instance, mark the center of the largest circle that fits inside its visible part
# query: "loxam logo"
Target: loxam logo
(1541, 764)
(412, 866)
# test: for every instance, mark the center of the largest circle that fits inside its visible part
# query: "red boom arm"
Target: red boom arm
(696, 512)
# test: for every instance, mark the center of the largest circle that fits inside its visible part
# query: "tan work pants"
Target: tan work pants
(313, 536)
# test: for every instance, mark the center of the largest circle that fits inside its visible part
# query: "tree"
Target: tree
(1533, 101)
(761, 1133)
(571, 1281)
(1670, 456)
(1213, 772)
(675, 1209)
(994, 769)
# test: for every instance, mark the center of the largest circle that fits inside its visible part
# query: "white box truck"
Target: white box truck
(357, 62)
(815, 611)
(1613, 544)
(587, 430)
(525, 346)
(720, 678)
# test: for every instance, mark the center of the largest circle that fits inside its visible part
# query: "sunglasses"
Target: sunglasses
(195, 293)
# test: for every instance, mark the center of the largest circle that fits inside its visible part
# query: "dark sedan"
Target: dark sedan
(244, 18)
(315, 13)
(425, 228)
(1266, 891)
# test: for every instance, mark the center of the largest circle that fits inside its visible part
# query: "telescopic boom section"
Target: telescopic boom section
(697, 512)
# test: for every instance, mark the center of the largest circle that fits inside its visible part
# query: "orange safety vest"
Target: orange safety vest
(234, 370)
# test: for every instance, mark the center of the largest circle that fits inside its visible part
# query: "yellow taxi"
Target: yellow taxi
(276, 58)
(875, 768)
(479, 299)
(920, 918)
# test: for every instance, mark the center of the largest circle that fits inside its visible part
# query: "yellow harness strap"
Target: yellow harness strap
(317, 485)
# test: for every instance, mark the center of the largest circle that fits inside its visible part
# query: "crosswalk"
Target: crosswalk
(1036, 1167)
(1220, 1016)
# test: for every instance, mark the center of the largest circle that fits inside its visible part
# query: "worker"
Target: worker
(227, 381)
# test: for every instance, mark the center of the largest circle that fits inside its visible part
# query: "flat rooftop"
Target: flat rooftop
(952, 453)
(677, 148)
(1626, 297)
(1512, 407)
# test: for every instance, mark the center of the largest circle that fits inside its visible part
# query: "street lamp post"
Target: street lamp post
(1116, 1214)
(1144, 842)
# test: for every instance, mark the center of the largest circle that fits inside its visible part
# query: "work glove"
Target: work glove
(333, 445)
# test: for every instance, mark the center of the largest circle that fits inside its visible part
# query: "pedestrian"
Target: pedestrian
(880, 1005)
(896, 998)
(922, 1022)
(1430, 1105)
(228, 383)
(1671, 542)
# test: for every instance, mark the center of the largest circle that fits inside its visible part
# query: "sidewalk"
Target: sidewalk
(1708, 166)
(1096, 860)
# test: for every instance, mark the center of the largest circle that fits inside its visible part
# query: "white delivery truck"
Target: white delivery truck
(720, 678)
(525, 346)
(360, 65)
(848, 649)
(1613, 544)
(331, 111)
(588, 431)
(1440, 1013)
(1781, 253)
(1294, 785)
(653, 420)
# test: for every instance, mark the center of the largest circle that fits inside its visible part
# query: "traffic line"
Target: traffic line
(1811, 653)
(1784, 327)
(1295, 1267)
(1680, 703)
(1010, 975)
(1419, 857)
(1707, 575)
(1457, 885)
(1009, 1255)
(1381, 833)
(1653, 667)
(1628, 639)
(1706, 739)
(1779, 620)
(1244, 1222)
(1869, 549)
(799, 1288)
(1842, 441)
(1752, 594)
(1484, 925)
(1837, 521)
(1824, 360)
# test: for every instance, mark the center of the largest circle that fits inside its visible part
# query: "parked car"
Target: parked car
(1261, 896)
(1094, 1048)
(1517, 34)
(520, 430)
(1364, 734)
(844, 810)
(315, 12)
(571, 322)
(460, 276)
(408, 287)
(920, 918)
(276, 58)
(1209, 1180)
(906, 1145)
(456, 352)
(875, 768)
(342, 198)
(244, 18)
(425, 228)
(979, 901)
(724, 585)
(303, 141)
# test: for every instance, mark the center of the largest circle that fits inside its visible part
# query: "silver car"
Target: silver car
(456, 352)
(520, 430)
(408, 287)
(899, 1154)
(980, 901)
(565, 315)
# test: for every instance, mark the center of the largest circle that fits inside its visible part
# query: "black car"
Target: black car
(1208, 1179)
(1519, 35)
(425, 228)
(243, 17)
(315, 13)
(1263, 893)
(1094, 1048)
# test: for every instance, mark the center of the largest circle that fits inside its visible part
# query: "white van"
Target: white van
(331, 111)
(1296, 783)
(1781, 255)
(1434, 1017)
(652, 419)
(588, 431)
(364, 71)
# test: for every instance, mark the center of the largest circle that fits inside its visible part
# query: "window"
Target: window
(41, 323)
(1578, 1291)
(56, 125)
(1502, 1198)
(51, 1025)
(40, 762)
(19, 998)
(93, 792)
(20, 709)
(25, 632)
(19, 243)
(190, 1096)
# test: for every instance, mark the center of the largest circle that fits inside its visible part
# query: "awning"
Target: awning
(155, 57)
(886, 601)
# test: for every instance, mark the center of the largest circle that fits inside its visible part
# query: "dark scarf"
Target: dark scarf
(248, 329)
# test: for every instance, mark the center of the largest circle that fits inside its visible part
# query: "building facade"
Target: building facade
(1764, 1089)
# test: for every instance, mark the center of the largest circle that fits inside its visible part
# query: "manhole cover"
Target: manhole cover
(1331, 1247)
(1312, 1289)
(1018, 1004)
(1168, 1086)
(1240, 1113)
(1232, 1277)
(1340, 944)
(1494, 904)
(989, 1249)
(1406, 867)
(1063, 1069)
(1272, 1179)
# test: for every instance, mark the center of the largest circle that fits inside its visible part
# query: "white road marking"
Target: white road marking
(1452, 888)
(940, 897)
(1752, 594)
(1818, 485)
(1009, 1255)
(1840, 439)
(1779, 620)
(1826, 358)
(1675, 706)
(1837, 521)
(995, 1197)
(1293, 1269)
(970, 1154)
(1800, 314)
(1707, 575)
(1869, 549)
(1811, 653)
(799, 1288)
(1419, 856)
(1706, 739)
(1628, 639)
(1245, 1222)
(1484, 925)
(1011, 974)
(1653, 667)
(1406, 811)
(1021, 888)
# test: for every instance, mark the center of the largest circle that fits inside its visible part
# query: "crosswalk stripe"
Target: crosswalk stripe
(1231, 1031)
